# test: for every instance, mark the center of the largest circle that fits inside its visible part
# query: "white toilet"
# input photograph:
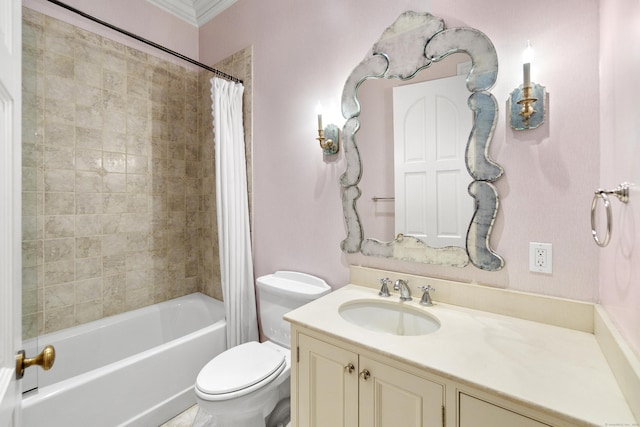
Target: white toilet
(241, 386)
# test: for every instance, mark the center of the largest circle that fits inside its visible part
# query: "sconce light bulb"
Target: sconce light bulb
(319, 113)
(527, 55)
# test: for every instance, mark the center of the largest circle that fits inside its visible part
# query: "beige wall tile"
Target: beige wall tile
(89, 311)
(88, 203)
(119, 184)
(114, 264)
(59, 250)
(89, 138)
(59, 226)
(87, 247)
(87, 181)
(59, 272)
(88, 290)
(59, 296)
(60, 318)
(59, 135)
(88, 225)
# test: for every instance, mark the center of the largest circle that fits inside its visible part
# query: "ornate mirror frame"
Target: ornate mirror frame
(413, 42)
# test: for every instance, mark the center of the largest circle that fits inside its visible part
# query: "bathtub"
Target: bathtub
(131, 369)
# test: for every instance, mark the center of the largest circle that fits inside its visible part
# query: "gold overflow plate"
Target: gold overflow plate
(45, 359)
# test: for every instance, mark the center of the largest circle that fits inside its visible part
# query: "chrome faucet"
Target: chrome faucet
(384, 289)
(403, 287)
(426, 297)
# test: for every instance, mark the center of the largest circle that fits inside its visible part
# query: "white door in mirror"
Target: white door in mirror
(431, 122)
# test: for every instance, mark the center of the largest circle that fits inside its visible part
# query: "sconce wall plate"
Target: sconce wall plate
(331, 139)
(518, 122)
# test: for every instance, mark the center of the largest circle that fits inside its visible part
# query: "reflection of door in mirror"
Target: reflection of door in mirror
(375, 139)
(431, 122)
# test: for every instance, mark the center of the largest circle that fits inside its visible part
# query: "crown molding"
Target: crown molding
(194, 12)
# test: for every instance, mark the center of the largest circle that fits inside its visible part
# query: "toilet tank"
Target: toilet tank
(281, 292)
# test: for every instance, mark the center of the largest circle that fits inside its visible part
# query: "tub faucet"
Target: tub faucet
(403, 287)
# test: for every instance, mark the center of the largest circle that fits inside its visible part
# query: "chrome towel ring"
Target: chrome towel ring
(622, 193)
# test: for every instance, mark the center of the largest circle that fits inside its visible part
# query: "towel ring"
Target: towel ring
(622, 193)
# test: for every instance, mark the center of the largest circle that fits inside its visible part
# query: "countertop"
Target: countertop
(556, 370)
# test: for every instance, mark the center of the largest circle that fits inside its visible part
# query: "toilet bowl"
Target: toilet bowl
(244, 384)
(241, 386)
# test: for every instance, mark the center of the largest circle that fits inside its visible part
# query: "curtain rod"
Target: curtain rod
(145, 41)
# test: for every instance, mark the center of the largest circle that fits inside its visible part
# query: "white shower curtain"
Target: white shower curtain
(236, 262)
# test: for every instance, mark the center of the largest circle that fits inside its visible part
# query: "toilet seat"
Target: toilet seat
(239, 371)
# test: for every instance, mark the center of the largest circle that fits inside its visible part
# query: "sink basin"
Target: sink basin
(388, 317)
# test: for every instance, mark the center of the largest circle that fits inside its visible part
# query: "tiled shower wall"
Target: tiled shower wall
(118, 204)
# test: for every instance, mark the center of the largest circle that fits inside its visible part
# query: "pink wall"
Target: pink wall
(303, 54)
(138, 17)
(620, 153)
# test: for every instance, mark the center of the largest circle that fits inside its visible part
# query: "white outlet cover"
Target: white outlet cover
(547, 263)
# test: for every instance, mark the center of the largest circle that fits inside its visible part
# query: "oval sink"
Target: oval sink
(388, 317)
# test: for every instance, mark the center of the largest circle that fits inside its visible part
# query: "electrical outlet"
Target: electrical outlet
(540, 257)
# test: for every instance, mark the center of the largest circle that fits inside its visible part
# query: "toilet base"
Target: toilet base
(279, 417)
(281, 414)
(205, 419)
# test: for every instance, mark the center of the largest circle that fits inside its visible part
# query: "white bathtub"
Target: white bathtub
(134, 369)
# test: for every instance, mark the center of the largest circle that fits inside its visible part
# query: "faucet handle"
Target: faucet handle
(426, 298)
(384, 289)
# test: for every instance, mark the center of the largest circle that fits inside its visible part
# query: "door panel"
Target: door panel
(391, 397)
(431, 125)
(328, 389)
(10, 224)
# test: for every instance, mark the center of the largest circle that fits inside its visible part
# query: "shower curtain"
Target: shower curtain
(236, 262)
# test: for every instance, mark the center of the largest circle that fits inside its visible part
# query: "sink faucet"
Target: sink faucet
(384, 290)
(403, 287)
(426, 297)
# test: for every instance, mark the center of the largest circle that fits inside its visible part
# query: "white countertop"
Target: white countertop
(556, 370)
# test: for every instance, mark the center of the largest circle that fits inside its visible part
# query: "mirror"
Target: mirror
(413, 43)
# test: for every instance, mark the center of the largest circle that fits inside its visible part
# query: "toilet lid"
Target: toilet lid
(240, 368)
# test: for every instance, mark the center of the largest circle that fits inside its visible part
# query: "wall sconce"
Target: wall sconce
(527, 102)
(328, 137)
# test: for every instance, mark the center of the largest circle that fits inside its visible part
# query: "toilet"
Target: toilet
(248, 384)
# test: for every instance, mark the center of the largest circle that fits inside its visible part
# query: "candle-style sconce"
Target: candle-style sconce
(329, 136)
(527, 102)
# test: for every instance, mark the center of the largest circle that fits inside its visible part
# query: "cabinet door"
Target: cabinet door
(327, 387)
(390, 397)
(478, 413)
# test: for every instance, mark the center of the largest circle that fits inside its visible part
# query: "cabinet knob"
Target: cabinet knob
(365, 374)
(349, 368)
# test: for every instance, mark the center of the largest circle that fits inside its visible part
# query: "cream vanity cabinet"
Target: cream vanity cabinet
(474, 412)
(338, 387)
(334, 384)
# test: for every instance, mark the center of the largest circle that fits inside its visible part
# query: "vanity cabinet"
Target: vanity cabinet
(341, 384)
(337, 387)
(475, 412)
